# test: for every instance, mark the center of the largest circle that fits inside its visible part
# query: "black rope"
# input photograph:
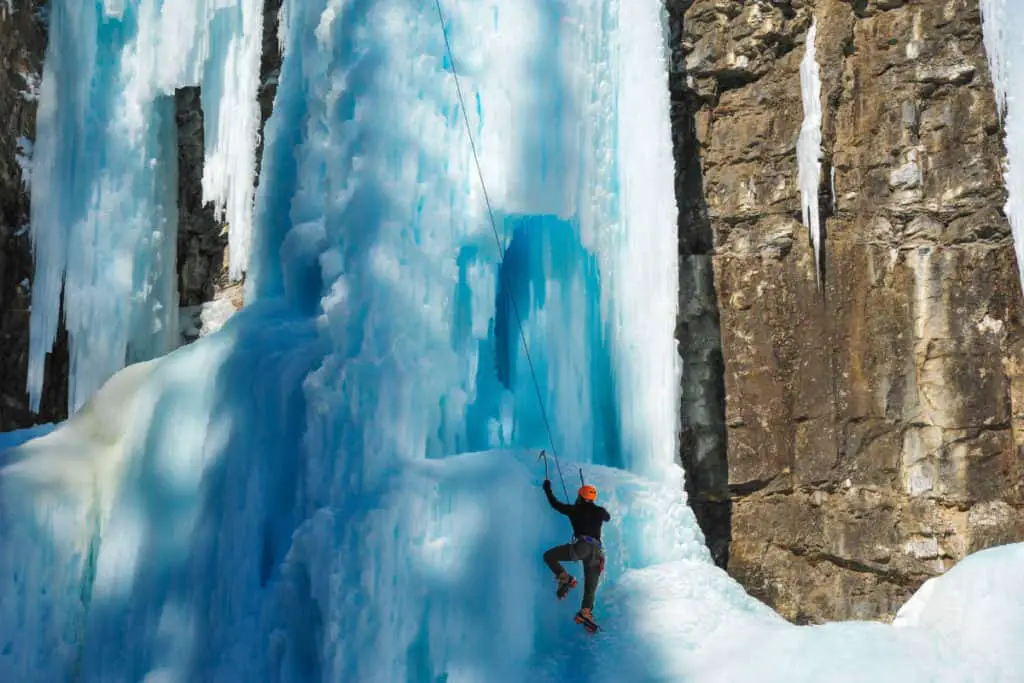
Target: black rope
(497, 238)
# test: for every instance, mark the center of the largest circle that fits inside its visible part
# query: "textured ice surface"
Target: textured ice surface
(201, 556)
(372, 216)
(162, 530)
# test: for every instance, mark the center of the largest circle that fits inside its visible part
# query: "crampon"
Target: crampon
(586, 619)
(565, 584)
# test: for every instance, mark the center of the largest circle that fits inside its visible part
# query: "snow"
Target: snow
(960, 609)
(808, 147)
(340, 482)
(697, 625)
(104, 171)
(30, 93)
(1001, 24)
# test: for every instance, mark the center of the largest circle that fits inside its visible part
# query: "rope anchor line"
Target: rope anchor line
(497, 238)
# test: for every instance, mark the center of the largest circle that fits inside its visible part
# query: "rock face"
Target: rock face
(873, 423)
(202, 240)
(22, 49)
(702, 419)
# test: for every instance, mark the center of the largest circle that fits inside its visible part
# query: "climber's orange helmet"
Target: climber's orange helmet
(588, 493)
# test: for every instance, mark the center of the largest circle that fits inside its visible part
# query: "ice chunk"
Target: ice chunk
(86, 453)
(106, 519)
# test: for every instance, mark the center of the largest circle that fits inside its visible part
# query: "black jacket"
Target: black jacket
(586, 517)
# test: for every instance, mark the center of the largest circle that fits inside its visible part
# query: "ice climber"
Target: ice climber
(586, 518)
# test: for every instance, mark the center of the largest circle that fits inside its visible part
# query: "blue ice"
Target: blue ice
(105, 173)
(342, 484)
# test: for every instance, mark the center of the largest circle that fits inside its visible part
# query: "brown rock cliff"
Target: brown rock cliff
(872, 425)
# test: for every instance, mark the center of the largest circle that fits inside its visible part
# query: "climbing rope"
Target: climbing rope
(497, 238)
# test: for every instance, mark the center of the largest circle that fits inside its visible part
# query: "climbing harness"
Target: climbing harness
(497, 238)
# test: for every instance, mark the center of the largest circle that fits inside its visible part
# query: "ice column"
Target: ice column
(808, 146)
(645, 271)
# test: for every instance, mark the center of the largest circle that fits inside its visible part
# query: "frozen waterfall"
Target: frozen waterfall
(341, 484)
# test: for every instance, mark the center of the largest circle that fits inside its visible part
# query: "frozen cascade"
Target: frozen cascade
(104, 191)
(1002, 21)
(378, 337)
(573, 260)
(341, 483)
(644, 280)
(808, 146)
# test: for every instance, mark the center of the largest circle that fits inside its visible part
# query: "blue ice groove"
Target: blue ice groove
(524, 278)
(341, 484)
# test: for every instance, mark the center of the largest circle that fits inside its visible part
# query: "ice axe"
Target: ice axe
(544, 456)
(547, 475)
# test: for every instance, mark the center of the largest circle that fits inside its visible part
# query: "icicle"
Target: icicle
(104, 193)
(808, 148)
(230, 100)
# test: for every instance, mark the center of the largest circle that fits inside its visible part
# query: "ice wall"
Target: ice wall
(137, 537)
(282, 495)
(104, 168)
(643, 275)
(1002, 21)
(578, 170)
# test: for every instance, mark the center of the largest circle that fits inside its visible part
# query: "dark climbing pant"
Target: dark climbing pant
(592, 557)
